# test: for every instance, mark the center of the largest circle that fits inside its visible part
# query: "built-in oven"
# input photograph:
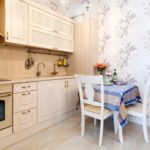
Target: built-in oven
(5, 106)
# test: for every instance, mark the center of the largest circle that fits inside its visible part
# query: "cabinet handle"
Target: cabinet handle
(55, 31)
(23, 87)
(24, 94)
(25, 112)
(55, 48)
(7, 35)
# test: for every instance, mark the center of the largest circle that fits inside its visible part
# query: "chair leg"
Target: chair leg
(101, 132)
(83, 126)
(145, 129)
(95, 121)
(115, 122)
(120, 134)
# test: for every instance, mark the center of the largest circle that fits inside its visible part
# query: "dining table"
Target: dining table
(117, 98)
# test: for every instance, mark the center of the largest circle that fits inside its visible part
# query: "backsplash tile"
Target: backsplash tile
(12, 63)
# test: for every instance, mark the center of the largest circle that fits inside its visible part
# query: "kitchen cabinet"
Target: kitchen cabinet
(55, 97)
(71, 94)
(45, 39)
(51, 98)
(24, 100)
(26, 23)
(14, 21)
(49, 31)
(29, 86)
(24, 120)
(24, 106)
(46, 21)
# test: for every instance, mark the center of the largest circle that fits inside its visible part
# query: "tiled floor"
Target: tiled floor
(66, 136)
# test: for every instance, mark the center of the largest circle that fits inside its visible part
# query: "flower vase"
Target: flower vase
(102, 72)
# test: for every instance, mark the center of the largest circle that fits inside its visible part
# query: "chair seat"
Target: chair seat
(95, 109)
(135, 108)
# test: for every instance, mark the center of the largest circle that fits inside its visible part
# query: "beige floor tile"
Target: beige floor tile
(66, 136)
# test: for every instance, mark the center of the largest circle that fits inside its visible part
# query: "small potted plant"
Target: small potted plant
(101, 68)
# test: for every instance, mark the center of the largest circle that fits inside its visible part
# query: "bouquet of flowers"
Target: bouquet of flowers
(101, 68)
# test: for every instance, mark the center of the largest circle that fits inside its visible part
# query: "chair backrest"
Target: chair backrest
(146, 100)
(86, 90)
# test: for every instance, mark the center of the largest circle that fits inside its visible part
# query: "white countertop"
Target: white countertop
(35, 79)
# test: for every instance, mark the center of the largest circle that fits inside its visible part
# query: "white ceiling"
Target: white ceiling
(73, 8)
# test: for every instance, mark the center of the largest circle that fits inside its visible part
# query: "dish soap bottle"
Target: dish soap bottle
(114, 77)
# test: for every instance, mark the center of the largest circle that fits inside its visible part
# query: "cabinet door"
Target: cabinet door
(46, 21)
(51, 99)
(44, 39)
(16, 22)
(72, 94)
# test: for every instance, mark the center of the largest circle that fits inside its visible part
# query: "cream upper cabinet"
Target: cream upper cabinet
(23, 22)
(48, 31)
(49, 22)
(44, 39)
(16, 22)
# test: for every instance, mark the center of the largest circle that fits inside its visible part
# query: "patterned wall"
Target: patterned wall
(124, 38)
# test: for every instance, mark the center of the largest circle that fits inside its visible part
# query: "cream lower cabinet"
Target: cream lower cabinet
(51, 98)
(24, 119)
(54, 97)
(24, 106)
(71, 94)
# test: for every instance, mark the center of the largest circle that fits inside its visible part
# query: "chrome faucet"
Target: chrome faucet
(38, 69)
(54, 70)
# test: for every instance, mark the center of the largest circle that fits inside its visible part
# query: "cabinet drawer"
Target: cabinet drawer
(24, 87)
(25, 100)
(24, 119)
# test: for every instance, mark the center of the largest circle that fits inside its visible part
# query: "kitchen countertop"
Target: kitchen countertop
(35, 79)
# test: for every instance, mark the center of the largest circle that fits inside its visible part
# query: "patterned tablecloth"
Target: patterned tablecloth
(117, 97)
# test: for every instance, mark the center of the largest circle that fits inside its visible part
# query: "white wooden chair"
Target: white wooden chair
(142, 110)
(89, 107)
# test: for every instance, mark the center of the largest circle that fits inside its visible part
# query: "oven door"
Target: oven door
(5, 110)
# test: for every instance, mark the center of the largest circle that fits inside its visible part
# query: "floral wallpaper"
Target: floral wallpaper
(124, 38)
